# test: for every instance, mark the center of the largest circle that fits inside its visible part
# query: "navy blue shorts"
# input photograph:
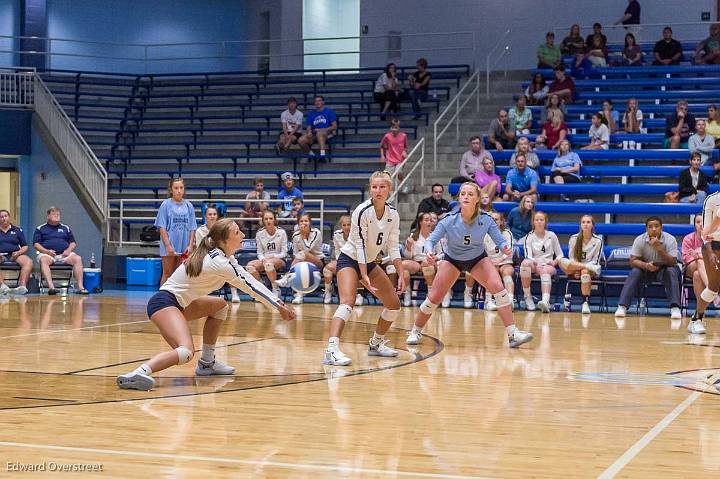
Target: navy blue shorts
(161, 300)
(345, 261)
(467, 265)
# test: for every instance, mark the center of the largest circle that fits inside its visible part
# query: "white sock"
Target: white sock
(488, 297)
(417, 328)
(208, 353)
(377, 338)
(468, 291)
(333, 342)
(322, 152)
(546, 298)
(510, 329)
(527, 293)
(143, 369)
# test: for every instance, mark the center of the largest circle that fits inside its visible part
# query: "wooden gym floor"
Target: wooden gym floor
(586, 398)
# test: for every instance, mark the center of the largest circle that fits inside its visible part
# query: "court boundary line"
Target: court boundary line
(247, 462)
(55, 331)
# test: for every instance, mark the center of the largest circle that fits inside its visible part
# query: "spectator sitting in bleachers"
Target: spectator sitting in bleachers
(340, 237)
(542, 252)
(653, 257)
(554, 131)
(272, 249)
(287, 193)
(597, 32)
(573, 44)
(292, 121)
(503, 263)
(632, 53)
(414, 255)
(488, 181)
(177, 224)
(712, 127)
(307, 246)
(13, 250)
(211, 217)
(393, 149)
(321, 126)
(419, 85)
(701, 142)
(693, 182)
(633, 117)
(531, 158)
(566, 165)
(553, 103)
(298, 208)
(521, 116)
(387, 90)
(537, 91)
(521, 181)
(708, 50)
(501, 133)
(486, 203)
(597, 54)
(585, 249)
(679, 126)
(255, 209)
(472, 161)
(610, 117)
(599, 134)
(55, 244)
(563, 86)
(519, 219)
(693, 259)
(435, 203)
(667, 51)
(549, 54)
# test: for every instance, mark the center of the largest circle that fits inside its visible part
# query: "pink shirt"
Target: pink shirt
(394, 147)
(482, 178)
(690, 243)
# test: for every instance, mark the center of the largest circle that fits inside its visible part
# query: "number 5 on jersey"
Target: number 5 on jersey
(466, 240)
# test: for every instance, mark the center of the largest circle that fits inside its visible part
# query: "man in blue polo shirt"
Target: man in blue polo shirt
(13, 249)
(521, 181)
(320, 125)
(55, 243)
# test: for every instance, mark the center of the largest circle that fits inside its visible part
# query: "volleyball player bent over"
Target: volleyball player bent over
(710, 248)
(183, 297)
(465, 230)
(375, 227)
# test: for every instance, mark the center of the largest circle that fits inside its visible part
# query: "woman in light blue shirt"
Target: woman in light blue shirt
(566, 165)
(176, 222)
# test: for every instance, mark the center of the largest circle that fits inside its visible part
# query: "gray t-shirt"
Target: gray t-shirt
(293, 121)
(497, 132)
(532, 160)
(643, 249)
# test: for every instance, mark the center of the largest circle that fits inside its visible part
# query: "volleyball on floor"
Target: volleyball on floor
(306, 279)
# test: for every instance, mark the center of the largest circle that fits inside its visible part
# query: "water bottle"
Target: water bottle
(92, 260)
(566, 302)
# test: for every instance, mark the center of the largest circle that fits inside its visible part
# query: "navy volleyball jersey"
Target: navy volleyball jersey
(12, 240)
(55, 237)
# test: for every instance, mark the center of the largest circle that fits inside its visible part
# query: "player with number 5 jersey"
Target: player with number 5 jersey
(375, 227)
(465, 231)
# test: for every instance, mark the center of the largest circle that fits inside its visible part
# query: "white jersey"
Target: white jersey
(216, 271)
(338, 242)
(200, 234)
(592, 251)
(542, 250)
(711, 210)
(419, 252)
(370, 235)
(495, 253)
(275, 246)
(313, 244)
(293, 121)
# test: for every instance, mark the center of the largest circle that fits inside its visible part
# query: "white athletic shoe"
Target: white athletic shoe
(414, 337)
(544, 307)
(133, 380)
(585, 308)
(359, 300)
(696, 327)
(284, 282)
(520, 337)
(327, 297)
(675, 313)
(214, 368)
(4, 288)
(381, 349)
(620, 312)
(297, 299)
(446, 299)
(490, 305)
(529, 303)
(335, 357)
(467, 299)
(235, 295)
(407, 298)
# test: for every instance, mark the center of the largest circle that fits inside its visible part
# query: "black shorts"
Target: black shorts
(467, 265)
(161, 300)
(345, 261)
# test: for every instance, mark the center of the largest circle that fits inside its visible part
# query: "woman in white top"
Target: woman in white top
(542, 252)
(584, 250)
(502, 262)
(416, 257)
(387, 90)
(272, 248)
(183, 297)
(307, 246)
(211, 217)
(375, 227)
(340, 237)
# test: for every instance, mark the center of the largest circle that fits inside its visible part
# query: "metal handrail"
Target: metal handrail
(455, 101)
(488, 67)
(420, 144)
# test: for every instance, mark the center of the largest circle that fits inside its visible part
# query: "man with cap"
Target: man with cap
(288, 193)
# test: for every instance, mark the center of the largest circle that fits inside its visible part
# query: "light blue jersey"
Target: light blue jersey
(465, 241)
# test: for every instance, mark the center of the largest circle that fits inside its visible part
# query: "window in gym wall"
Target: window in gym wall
(9, 193)
(331, 19)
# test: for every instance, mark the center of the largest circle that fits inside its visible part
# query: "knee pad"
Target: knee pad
(389, 315)
(221, 314)
(502, 299)
(250, 269)
(585, 278)
(564, 263)
(525, 270)
(427, 307)
(390, 269)
(708, 295)
(545, 278)
(184, 355)
(343, 312)
(428, 270)
(269, 266)
(508, 281)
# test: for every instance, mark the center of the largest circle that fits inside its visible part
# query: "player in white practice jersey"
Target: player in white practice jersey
(211, 216)
(542, 252)
(375, 227)
(272, 249)
(340, 237)
(585, 249)
(183, 297)
(503, 262)
(710, 248)
(307, 246)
